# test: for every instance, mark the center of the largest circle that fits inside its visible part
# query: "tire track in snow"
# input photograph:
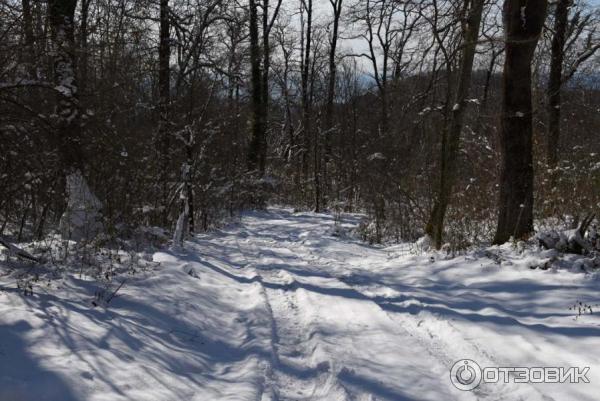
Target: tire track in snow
(295, 375)
(298, 373)
(424, 327)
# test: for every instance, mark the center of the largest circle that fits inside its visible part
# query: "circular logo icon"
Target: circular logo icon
(465, 375)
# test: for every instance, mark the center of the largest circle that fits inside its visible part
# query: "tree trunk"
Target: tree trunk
(29, 39)
(329, 126)
(163, 142)
(83, 48)
(304, 88)
(523, 23)
(337, 10)
(81, 219)
(561, 15)
(451, 134)
(265, 85)
(61, 14)
(288, 109)
(182, 228)
(255, 158)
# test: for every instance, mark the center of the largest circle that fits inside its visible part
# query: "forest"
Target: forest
(419, 113)
(140, 139)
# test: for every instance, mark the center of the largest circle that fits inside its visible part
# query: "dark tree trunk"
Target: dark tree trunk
(164, 88)
(81, 219)
(266, 55)
(337, 11)
(265, 84)
(488, 77)
(39, 232)
(288, 108)
(28, 39)
(451, 134)
(383, 92)
(304, 89)
(83, 48)
(561, 15)
(255, 158)
(523, 23)
(189, 154)
(61, 17)
(329, 126)
(264, 87)
(305, 96)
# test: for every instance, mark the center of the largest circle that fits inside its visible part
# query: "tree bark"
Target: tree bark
(451, 135)
(83, 48)
(164, 97)
(29, 39)
(265, 85)
(337, 11)
(81, 220)
(305, 96)
(329, 126)
(304, 88)
(523, 23)
(61, 15)
(561, 15)
(255, 158)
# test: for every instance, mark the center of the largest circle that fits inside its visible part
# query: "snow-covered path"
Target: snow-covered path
(284, 306)
(328, 341)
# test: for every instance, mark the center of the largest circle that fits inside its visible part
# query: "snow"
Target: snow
(82, 216)
(288, 306)
(376, 156)
(64, 90)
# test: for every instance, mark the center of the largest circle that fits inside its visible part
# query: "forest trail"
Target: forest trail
(290, 306)
(330, 341)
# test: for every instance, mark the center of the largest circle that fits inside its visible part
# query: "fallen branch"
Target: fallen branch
(103, 298)
(571, 241)
(115, 292)
(15, 250)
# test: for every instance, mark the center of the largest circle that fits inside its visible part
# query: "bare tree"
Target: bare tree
(83, 46)
(566, 33)
(163, 142)
(61, 14)
(472, 9)
(28, 37)
(523, 23)
(267, 26)
(380, 33)
(561, 15)
(80, 218)
(256, 158)
(336, 6)
(306, 43)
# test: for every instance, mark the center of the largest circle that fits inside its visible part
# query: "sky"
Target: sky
(323, 14)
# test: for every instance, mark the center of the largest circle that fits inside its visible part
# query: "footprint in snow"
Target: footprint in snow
(87, 375)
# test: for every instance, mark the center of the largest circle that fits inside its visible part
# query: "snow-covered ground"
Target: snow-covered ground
(286, 306)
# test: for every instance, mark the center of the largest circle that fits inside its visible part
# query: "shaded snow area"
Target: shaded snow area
(288, 306)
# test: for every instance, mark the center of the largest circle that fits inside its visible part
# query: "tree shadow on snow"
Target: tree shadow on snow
(442, 307)
(351, 379)
(21, 377)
